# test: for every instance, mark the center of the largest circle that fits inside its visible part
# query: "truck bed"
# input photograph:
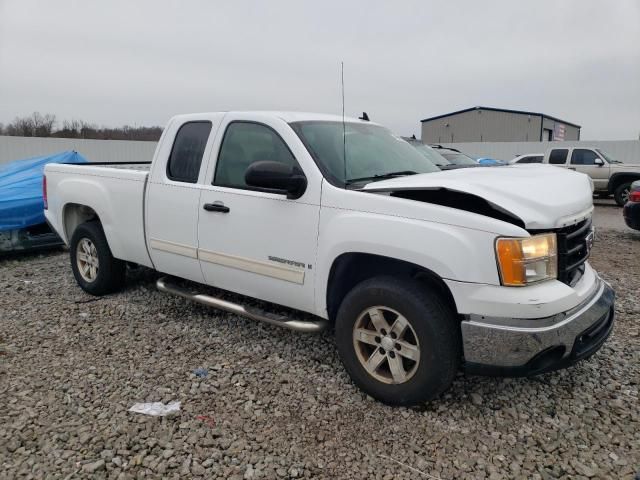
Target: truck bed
(141, 166)
(115, 192)
(126, 171)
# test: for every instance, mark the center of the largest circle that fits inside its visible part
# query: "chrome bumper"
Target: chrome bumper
(520, 347)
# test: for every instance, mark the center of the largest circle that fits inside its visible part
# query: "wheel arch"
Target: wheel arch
(75, 214)
(352, 268)
(618, 179)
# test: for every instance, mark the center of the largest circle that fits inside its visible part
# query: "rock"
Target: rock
(186, 470)
(197, 469)
(94, 466)
(476, 399)
(13, 444)
(249, 473)
(583, 469)
(106, 454)
(294, 472)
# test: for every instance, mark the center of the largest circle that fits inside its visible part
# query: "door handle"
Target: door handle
(216, 207)
(572, 168)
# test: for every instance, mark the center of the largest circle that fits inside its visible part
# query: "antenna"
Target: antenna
(344, 129)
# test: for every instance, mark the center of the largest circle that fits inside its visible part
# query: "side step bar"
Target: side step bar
(164, 285)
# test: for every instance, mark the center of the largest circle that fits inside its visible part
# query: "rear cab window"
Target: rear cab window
(558, 156)
(187, 151)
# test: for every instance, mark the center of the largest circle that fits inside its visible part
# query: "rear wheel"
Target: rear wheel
(399, 342)
(94, 267)
(621, 194)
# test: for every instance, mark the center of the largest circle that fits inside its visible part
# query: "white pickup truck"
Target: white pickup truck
(610, 176)
(420, 272)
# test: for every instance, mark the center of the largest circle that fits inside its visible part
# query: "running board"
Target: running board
(164, 285)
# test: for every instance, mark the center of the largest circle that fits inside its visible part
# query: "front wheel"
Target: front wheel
(621, 195)
(93, 265)
(398, 341)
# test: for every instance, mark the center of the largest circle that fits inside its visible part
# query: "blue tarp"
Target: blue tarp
(490, 161)
(21, 203)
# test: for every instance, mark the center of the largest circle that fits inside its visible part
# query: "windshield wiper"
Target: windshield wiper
(382, 176)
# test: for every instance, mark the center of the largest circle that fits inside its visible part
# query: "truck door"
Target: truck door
(253, 242)
(173, 196)
(558, 157)
(587, 161)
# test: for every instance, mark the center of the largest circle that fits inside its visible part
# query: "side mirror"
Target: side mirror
(276, 177)
(599, 162)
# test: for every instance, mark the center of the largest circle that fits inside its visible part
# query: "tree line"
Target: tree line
(47, 125)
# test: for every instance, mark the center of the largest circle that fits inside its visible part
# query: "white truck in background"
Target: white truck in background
(610, 176)
(421, 272)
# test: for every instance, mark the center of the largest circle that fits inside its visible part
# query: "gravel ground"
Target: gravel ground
(608, 215)
(278, 404)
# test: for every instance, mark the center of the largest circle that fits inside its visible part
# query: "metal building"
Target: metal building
(487, 124)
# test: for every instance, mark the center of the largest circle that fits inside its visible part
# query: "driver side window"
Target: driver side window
(245, 143)
(583, 157)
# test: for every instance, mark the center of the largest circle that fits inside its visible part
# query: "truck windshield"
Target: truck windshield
(607, 156)
(460, 159)
(373, 152)
(434, 157)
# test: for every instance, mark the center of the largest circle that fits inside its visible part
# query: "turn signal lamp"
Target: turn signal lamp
(522, 261)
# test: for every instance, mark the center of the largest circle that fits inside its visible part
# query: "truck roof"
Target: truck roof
(288, 117)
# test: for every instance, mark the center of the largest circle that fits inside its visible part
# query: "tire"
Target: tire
(621, 194)
(108, 276)
(433, 329)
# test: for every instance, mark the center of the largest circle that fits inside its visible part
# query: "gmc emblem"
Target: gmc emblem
(589, 241)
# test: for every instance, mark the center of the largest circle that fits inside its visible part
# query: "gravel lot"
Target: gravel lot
(277, 404)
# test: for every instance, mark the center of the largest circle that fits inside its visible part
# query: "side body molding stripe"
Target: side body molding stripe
(268, 269)
(172, 247)
(280, 272)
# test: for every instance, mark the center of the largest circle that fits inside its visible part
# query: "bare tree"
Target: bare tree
(43, 124)
(21, 127)
(35, 125)
(70, 129)
(38, 125)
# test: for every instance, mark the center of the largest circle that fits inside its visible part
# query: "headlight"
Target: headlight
(527, 260)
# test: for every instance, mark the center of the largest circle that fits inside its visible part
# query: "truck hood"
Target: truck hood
(539, 196)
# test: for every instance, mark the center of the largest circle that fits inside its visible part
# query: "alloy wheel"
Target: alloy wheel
(386, 345)
(87, 260)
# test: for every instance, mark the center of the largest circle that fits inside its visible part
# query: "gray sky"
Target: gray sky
(116, 62)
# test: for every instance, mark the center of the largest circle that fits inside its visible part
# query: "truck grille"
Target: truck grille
(574, 247)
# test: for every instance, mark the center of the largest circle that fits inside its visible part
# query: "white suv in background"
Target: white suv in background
(529, 158)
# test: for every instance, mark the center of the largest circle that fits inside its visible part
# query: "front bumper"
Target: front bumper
(522, 347)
